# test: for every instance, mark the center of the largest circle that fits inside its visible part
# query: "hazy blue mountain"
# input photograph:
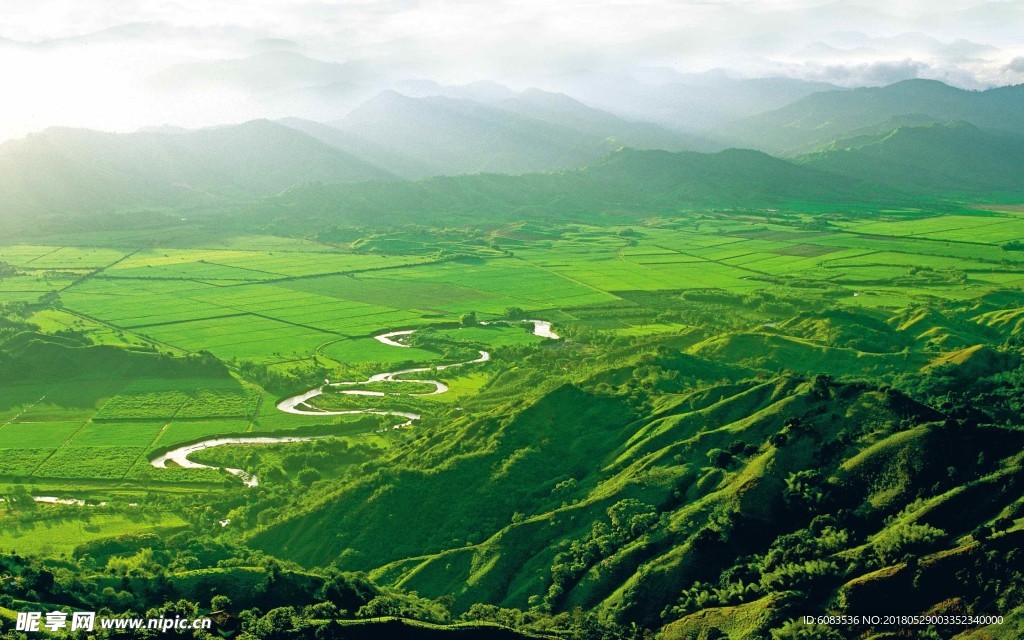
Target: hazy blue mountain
(691, 103)
(562, 110)
(822, 118)
(531, 132)
(486, 91)
(462, 136)
(498, 131)
(376, 153)
(72, 170)
(949, 158)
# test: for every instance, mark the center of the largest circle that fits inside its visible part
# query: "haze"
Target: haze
(121, 65)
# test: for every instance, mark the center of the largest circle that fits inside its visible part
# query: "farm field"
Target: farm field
(62, 531)
(684, 349)
(285, 304)
(595, 321)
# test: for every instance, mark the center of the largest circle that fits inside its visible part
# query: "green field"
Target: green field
(687, 346)
(61, 532)
(288, 303)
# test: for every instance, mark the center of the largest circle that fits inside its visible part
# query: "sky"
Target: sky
(121, 65)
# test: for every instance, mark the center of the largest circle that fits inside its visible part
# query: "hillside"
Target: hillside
(736, 424)
(533, 131)
(564, 111)
(588, 494)
(69, 171)
(688, 103)
(954, 158)
(822, 118)
(624, 183)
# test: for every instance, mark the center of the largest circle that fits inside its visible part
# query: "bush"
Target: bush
(719, 458)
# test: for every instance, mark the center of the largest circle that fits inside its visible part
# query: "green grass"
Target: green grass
(56, 537)
(356, 350)
(107, 462)
(181, 431)
(22, 462)
(117, 434)
(36, 435)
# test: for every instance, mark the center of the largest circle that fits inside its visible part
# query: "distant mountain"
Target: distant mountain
(486, 91)
(464, 136)
(690, 103)
(625, 182)
(954, 158)
(75, 170)
(822, 118)
(502, 132)
(562, 110)
(376, 153)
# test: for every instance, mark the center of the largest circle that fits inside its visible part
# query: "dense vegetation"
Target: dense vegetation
(774, 389)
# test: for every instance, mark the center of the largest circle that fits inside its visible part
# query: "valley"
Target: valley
(834, 373)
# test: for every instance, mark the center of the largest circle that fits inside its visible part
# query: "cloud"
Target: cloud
(1017, 65)
(87, 62)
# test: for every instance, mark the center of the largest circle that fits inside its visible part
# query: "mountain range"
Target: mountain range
(76, 170)
(909, 140)
(819, 119)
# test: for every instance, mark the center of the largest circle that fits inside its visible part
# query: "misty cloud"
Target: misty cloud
(110, 64)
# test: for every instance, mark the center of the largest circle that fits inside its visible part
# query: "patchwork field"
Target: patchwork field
(299, 308)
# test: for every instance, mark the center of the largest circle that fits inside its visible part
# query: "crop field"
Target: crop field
(57, 536)
(287, 303)
(37, 435)
(370, 350)
(180, 431)
(102, 428)
(109, 462)
(118, 434)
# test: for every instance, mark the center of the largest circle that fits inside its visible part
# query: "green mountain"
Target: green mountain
(463, 136)
(691, 103)
(564, 111)
(531, 131)
(626, 181)
(483, 128)
(63, 171)
(665, 506)
(822, 118)
(953, 158)
(395, 160)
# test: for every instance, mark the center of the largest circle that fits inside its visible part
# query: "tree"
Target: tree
(380, 607)
(220, 603)
(468, 319)
(719, 458)
(308, 476)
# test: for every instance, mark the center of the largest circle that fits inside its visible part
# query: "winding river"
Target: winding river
(303, 405)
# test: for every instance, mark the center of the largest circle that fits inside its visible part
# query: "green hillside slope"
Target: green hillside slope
(821, 118)
(68, 171)
(954, 158)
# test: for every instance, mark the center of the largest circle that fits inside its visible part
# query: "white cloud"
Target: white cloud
(88, 62)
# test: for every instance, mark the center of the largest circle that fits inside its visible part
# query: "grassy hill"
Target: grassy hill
(821, 118)
(73, 171)
(953, 158)
(624, 183)
(594, 496)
